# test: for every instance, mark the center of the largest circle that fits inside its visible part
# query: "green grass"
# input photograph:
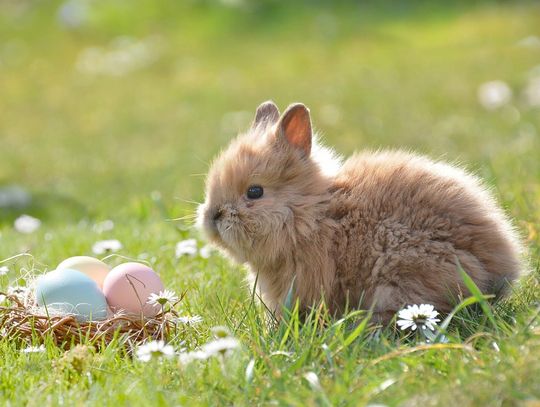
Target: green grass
(90, 147)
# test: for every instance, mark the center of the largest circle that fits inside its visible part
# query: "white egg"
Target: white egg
(92, 267)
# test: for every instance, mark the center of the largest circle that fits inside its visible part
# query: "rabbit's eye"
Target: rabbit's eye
(255, 192)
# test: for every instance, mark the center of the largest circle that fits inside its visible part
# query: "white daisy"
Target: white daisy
(531, 41)
(26, 224)
(73, 13)
(232, 3)
(104, 226)
(313, 380)
(3, 270)
(423, 315)
(34, 349)
(532, 92)
(186, 358)
(206, 251)
(221, 331)
(222, 346)
(104, 246)
(164, 297)
(189, 320)
(186, 247)
(154, 350)
(494, 94)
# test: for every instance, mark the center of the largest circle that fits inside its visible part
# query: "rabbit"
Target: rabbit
(379, 231)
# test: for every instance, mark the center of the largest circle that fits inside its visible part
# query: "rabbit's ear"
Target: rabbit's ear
(295, 127)
(267, 114)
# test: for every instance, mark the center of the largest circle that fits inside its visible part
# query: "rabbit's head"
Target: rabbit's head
(266, 192)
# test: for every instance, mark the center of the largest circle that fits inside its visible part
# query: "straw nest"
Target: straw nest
(20, 319)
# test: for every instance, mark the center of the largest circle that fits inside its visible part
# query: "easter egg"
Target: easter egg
(128, 286)
(71, 292)
(93, 268)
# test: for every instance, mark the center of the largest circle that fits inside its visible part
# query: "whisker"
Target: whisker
(188, 201)
(201, 160)
(191, 216)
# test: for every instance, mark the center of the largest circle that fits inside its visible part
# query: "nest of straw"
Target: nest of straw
(20, 319)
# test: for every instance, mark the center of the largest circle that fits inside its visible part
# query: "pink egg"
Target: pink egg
(128, 286)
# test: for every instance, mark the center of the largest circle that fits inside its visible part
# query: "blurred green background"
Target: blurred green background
(111, 111)
(103, 103)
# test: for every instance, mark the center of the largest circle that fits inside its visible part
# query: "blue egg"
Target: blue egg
(71, 292)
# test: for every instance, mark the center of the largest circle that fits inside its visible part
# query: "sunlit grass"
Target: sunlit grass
(133, 147)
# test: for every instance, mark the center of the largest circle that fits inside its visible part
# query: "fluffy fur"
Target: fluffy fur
(383, 229)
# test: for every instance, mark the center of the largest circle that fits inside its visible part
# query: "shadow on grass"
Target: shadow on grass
(16, 201)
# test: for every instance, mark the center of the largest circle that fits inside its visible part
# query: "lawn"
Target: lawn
(112, 110)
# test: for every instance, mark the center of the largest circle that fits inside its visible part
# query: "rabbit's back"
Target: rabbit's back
(404, 220)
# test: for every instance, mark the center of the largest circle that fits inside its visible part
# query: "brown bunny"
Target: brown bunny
(383, 229)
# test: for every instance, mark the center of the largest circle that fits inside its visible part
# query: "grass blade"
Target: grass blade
(475, 291)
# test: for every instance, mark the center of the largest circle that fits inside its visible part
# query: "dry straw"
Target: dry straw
(21, 320)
